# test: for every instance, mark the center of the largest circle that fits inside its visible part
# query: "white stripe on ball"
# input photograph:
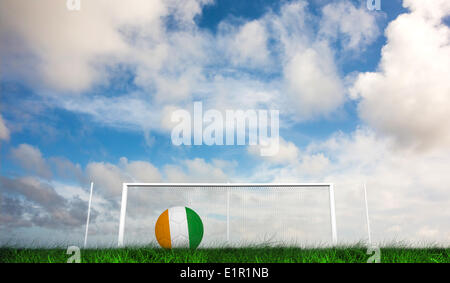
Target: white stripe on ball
(179, 233)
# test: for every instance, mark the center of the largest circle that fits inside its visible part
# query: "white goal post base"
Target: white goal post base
(228, 186)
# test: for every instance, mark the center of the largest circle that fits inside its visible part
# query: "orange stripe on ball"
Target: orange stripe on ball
(162, 230)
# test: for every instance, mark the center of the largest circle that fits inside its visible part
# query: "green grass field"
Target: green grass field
(228, 255)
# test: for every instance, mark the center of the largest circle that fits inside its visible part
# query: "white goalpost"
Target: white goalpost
(260, 198)
(88, 215)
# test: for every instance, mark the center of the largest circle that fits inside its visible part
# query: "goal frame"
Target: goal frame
(126, 186)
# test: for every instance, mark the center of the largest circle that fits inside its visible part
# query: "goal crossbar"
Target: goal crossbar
(126, 186)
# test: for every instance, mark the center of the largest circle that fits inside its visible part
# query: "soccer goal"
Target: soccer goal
(239, 214)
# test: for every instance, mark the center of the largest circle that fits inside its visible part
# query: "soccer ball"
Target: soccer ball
(179, 227)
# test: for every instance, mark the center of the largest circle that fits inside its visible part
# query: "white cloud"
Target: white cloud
(187, 10)
(235, 93)
(62, 47)
(195, 170)
(313, 165)
(291, 27)
(4, 131)
(65, 169)
(431, 10)
(129, 111)
(29, 201)
(288, 153)
(408, 98)
(246, 46)
(177, 87)
(30, 158)
(107, 177)
(166, 117)
(310, 81)
(313, 84)
(355, 27)
(141, 171)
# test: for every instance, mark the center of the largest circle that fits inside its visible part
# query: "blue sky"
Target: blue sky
(362, 97)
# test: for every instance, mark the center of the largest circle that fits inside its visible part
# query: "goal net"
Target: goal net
(234, 214)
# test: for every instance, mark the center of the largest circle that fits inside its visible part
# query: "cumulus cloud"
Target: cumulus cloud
(246, 45)
(166, 117)
(107, 177)
(12, 211)
(61, 47)
(141, 171)
(195, 170)
(34, 190)
(65, 169)
(288, 153)
(310, 83)
(30, 159)
(433, 10)
(408, 98)
(63, 57)
(29, 201)
(313, 84)
(4, 131)
(355, 27)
